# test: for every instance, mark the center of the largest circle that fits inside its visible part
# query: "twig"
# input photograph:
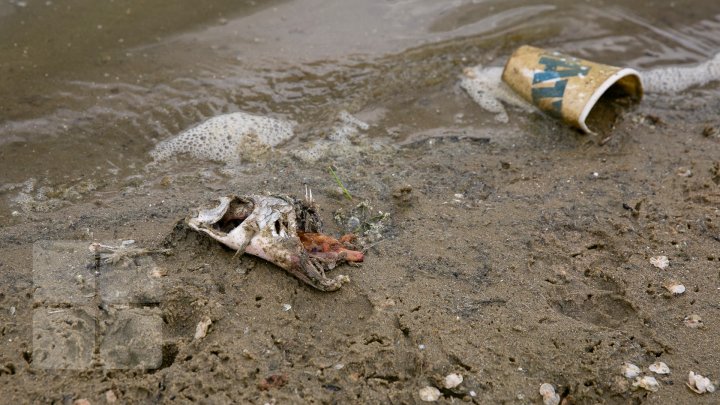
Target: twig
(346, 193)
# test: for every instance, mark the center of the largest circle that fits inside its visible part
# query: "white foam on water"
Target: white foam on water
(674, 79)
(338, 139)
(485, 86)
(224, 137)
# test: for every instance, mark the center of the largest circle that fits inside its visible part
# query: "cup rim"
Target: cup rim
(600, 90)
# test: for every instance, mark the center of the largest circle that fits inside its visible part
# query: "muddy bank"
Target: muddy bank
(511, 263)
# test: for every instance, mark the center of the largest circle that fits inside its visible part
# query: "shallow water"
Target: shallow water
(89, 88)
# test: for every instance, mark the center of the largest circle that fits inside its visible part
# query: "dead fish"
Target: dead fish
(282, 230)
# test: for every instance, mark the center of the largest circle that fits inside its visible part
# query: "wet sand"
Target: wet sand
(513, 254)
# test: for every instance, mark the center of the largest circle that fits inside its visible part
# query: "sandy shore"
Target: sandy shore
(510, 263)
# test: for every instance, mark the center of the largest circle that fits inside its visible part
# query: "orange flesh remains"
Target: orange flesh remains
(327, 246)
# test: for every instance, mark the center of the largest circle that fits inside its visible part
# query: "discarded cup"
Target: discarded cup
(567, 87)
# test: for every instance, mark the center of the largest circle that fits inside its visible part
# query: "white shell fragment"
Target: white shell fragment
(202, 327)
(158, 272)
(699, 384)
(429, 394)
(693, 321)
(674, 287)
(647, 383)
(661, 262)
(453, 380)
(550, 397)
(659, 368)
(110, 397)
(630, 370)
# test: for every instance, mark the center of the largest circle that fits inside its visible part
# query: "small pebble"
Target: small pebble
(630, 370)
(429, 394)
(647, 383)
(12, 311)
(661, 262)
(453, 380)
(659, 368)
(699, 384)
(202, 327)
(550, 397)
(693, 321)
(710, 130)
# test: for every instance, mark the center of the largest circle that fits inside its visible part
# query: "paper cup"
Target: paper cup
(567, 87)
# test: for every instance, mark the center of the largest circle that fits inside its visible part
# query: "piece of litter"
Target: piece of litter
(12, 311)
(693, 321)
(202, 327)
(472, 394)
(286, 307)
(661, 262)
(647, 383)
(429, 394)
(453, 380)
(699, 384)
(421, 347)
(630, 370)
(659, 368)
(550, 397)
(527, 71)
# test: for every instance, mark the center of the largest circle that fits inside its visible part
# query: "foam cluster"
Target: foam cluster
(338, 139)
(486, 88)
(226, 138)
(674, 79)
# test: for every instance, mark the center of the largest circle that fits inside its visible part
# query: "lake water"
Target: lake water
(89, 88)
